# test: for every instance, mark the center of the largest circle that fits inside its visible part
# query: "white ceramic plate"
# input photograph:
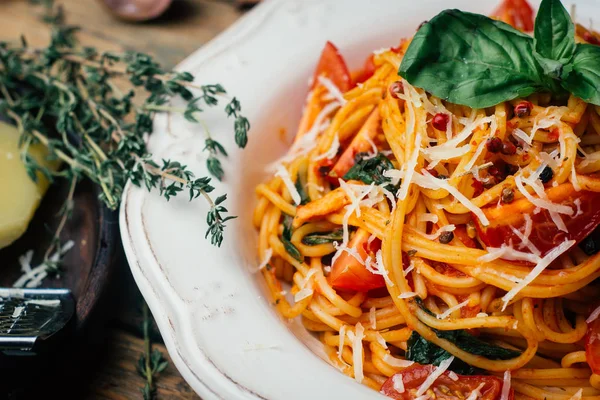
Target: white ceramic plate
(223, 335)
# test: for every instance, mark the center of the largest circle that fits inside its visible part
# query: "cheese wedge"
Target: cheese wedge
(19, 195)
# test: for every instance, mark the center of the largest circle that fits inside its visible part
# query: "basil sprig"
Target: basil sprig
(479, 62)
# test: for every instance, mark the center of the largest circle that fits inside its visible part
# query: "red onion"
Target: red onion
(136, 10)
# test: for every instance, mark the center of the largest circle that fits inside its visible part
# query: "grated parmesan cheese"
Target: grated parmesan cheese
(541, 200)
(411, 266)
(394, 174)
(283, 173)
(524, 236)
(333, 90)
(380, 339)
(397, 362)
(507, 252)
(372, 318)
(303, 294)
(428, 217)
(505, 386)
(450, 310)
(17, 312)
(520, 134)
(475, 394)
(342, 338)
(381, 269)
(452, 375)
(410, 169)
(433, 236)
(407, 295)
(593, 316)
(537, 270)
(398, 383)
(265, 261)
(33, 277)
(434, 375)
(357, 352)
(577, 395)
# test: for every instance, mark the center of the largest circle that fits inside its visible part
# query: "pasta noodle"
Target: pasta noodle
(422, 241)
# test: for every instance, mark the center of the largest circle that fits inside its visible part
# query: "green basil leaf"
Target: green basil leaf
(554, 32)
(472, 60)
(423, 351)
(304, 198)
(292, 250)
(583, 80)
(287, 226)
(287, 237)
(317, 238)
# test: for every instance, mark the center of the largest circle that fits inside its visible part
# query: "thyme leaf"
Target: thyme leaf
(94, 111)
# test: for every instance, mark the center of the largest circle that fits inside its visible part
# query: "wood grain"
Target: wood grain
(106, 369)
(120, 380)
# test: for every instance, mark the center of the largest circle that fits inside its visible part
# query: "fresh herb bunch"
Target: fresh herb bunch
(479, 62)
(151, 362)
(94, 111)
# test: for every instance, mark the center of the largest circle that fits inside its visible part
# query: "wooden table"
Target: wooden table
(108, 371)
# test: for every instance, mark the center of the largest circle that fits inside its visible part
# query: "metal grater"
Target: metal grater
(31, 318)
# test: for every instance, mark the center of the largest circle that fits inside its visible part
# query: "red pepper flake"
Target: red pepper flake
(440, 121)
(523, 109)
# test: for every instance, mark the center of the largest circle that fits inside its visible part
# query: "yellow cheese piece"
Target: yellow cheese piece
(19, 195)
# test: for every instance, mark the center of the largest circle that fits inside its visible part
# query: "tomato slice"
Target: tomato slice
(592, 346)
(348, 273)
(545, 234)
(332, 66)
(444, 387)
(367, 70)
(517, 13)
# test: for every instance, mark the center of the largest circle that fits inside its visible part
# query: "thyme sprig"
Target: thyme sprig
(94, 110)
(151, 362)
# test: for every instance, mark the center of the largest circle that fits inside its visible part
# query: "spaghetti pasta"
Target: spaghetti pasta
(395, 227)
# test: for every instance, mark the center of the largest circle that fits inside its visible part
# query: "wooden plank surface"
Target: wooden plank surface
(186, 26)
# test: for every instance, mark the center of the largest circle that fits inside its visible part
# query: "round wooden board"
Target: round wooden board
(86, 268)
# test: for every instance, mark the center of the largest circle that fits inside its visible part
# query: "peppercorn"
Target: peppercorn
(523, 109)
(590, 245)
(508, 195)
(396, 89)
(494, 145)
(440, 121)
(446, 237)
(546, 175)
(508, 149)
(442, 176)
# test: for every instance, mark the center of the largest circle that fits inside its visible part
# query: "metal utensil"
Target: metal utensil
(30, 319)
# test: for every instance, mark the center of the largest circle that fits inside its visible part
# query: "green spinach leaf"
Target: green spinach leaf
(583, 80)
(554, 37)
(287, 237)
(304, 198)
(473, 60)
(317, 238)
(424, 352)
(370, 170)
